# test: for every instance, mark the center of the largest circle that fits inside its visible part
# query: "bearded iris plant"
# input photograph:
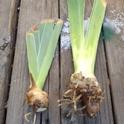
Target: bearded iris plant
(84, 93)
(41, 42)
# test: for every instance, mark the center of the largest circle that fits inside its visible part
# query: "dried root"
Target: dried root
(84, 95)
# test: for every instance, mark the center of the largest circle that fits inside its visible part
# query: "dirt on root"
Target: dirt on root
(84, 96)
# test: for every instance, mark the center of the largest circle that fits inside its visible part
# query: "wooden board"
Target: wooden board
(31, 12)
(7, 37)
(109, 64)
(105, 116)
(115, 57)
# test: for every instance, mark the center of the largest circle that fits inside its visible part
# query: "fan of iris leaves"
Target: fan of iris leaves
(41, 42)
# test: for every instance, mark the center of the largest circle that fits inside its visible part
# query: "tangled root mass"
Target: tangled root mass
(84, 95)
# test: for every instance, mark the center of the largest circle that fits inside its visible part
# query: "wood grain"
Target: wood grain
(7, 37)
(109, 64)
(115, 57)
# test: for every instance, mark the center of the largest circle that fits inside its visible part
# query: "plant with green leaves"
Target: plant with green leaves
(85, 93)
(41, 42)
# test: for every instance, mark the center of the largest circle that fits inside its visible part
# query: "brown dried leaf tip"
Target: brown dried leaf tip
(84, 95)
(37, 98)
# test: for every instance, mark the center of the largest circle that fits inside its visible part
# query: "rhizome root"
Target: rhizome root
(36, 98)
(83, 96)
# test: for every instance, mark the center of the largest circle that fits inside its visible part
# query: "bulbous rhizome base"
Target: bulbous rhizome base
(37, 98)
(83, 96)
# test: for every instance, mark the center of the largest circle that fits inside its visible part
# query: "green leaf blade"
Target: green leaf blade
(41, 44)
(37, 39)
(32, 54)
(47, 31)
(50, 53)
(76, 15)
(84, 47)
(93, 33)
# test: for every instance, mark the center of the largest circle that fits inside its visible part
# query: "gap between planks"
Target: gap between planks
(114, 53)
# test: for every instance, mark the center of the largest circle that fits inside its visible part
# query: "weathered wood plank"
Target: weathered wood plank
(115, 56)
(105, 114)
(31, 12)
(7, 37)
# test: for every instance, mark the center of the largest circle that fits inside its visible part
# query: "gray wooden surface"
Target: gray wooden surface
(8, 23)
(115, 59)
(16, 17)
